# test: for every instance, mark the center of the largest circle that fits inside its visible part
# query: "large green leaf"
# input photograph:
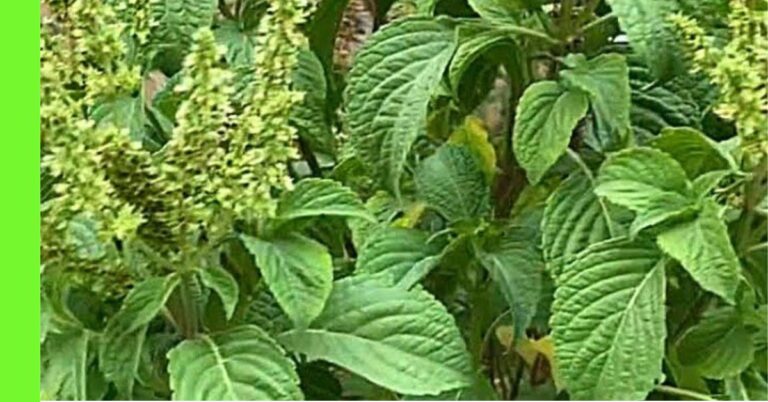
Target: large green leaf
(298, 271)
(718, 346)
(704, 249)
(546, 116)
(224, 284)
(395, 252)
(243, 363)
(124, 112)
(475, 40)
(516, 266)
(309, 117)
(649, 182)
(316, 197)
(240, 44)
(402, 340)
(696, 153)
(390, 85)
(650, 33)
(143, 303)
(452, 182)
(64, 366)
(172, 25)
(608, 321)
(120, 357)
(657, 106)
(605, 79)
(124, 334)
(573, 219)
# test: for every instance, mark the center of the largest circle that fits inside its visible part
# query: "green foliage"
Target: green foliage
(702, 246)
(650, 33)
(406, 342)
(452, 183)
(385, 120)
(547, 114)
(608, 320)
(500, 200)
(395, 252)
(297, 270)
(243, 363)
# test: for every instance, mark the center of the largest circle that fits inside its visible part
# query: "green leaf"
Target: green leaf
(224, 284)
(323, 28)
(516, 266)
(394, 252)
(718, 346)
(650, 33)
(475, 41)
(298, 271)
(381, 205)
(124, 112)
(143, 303)
(265, 313)
(64, 366)
(172, 25)
(243, 363)
(167, 99)
(124, 334)
(696, 153)
(657, 106)
(402, 340)
(605, 79)
(499, 10)
(704, 249)
(546, 116)
(608, 321)
(240, 44)
(317, 197)
(649, 182)
(705, 183)
(452, 182)
(574, 218)
(389, 88)
(309, 117)
(120, 356)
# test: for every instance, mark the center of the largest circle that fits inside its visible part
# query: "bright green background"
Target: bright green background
(20, 167)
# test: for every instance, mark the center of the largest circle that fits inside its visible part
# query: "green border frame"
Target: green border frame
(20, 165)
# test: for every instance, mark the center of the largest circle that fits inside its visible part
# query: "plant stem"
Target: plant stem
(189, 305)
(605, 19)
(682, 393)
(309, 157)
(588, 10)
(566, 14)
(489, 331)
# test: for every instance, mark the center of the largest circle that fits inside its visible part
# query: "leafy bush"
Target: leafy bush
(499, 199)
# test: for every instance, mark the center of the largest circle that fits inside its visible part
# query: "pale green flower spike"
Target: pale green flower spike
(739, 69)
(220, 165)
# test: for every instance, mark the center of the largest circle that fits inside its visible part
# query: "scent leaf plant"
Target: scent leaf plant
(498, 199)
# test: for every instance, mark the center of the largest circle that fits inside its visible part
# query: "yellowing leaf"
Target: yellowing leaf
(411, 216)
(529, 349)
(506, 335)
(474, 136)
